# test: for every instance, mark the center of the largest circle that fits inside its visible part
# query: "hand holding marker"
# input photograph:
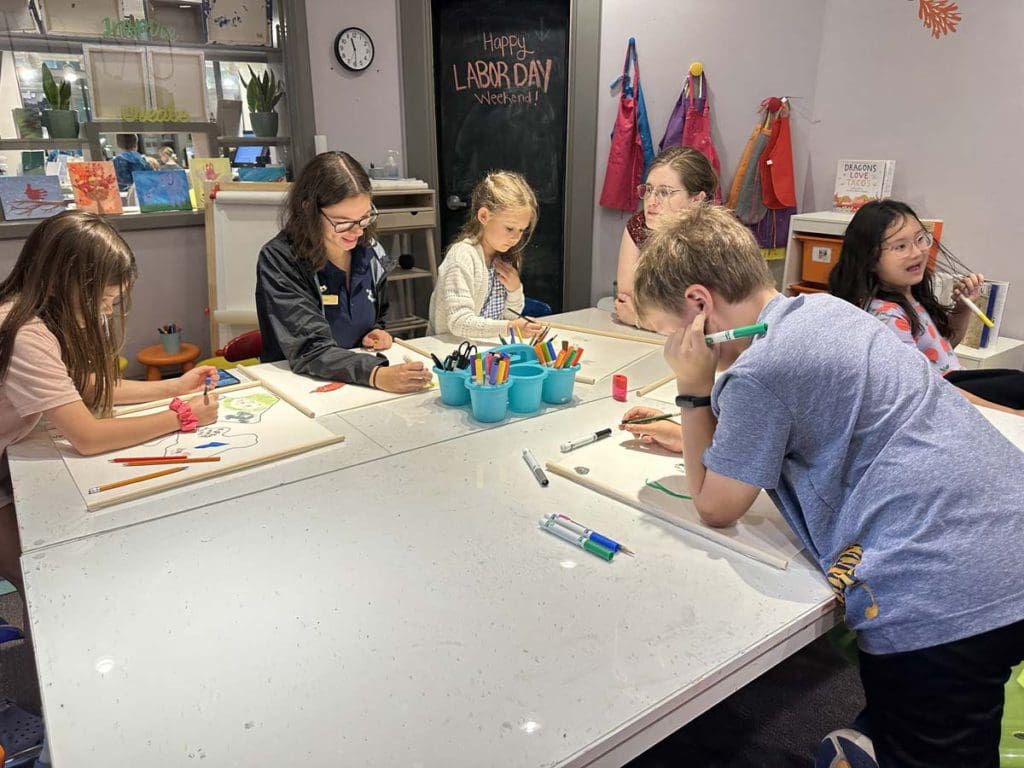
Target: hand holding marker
(736, 333)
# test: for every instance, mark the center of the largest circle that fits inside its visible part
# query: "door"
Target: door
(501, 95)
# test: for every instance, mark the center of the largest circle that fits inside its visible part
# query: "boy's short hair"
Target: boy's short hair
(703, 244)
(127, 141)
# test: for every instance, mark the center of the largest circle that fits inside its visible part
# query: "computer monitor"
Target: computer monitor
(248, 155)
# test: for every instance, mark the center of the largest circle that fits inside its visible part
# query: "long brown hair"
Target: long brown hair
(501, 191)
(66, 264)
(328, 178)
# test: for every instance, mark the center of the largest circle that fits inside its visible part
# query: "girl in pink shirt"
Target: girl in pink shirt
(62, 313)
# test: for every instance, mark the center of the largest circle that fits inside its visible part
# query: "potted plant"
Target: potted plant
(60, 120)
(262, 94)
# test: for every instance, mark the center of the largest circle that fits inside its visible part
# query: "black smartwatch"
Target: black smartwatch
(693, 401)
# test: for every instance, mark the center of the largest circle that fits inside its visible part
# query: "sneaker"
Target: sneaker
(845, 748)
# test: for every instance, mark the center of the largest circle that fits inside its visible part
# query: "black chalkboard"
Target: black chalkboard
(500, 80)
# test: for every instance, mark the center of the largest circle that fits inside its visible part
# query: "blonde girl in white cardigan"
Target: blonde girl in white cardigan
(478, 282)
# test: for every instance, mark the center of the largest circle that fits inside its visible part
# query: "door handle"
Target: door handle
(454, 202)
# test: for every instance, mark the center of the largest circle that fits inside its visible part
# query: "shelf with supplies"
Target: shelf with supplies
(253, 141)
(400, 213)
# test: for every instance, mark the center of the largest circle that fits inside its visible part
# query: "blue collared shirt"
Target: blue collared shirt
(354, 314)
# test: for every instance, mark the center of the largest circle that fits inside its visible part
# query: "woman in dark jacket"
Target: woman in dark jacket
(321, 282)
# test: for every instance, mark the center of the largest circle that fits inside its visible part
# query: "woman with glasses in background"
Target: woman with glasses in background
(321, 283)
(677, 178)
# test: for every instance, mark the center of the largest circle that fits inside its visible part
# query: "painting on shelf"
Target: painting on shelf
(159, 191)
(238, 22)
(206, 172)
(30, 197)
(95, 187)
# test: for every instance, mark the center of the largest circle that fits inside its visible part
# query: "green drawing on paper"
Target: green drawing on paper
(246, 409)
(659, 487)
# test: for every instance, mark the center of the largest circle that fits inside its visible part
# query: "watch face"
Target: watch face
(354, 49)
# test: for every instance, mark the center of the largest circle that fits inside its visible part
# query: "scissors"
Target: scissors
(460, 358)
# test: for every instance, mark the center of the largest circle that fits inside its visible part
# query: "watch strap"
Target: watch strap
(693, 401)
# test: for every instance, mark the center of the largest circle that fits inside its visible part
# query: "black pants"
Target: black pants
(1002, 386)
(941, 707)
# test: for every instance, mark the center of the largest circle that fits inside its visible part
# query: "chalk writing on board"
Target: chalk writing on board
(516, 76)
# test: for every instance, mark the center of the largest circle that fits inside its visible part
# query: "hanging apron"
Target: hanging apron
(737, 180)
(777, 185)
(643, 125)
(674, 130)
(625, 168)
(750, 205)
(697, 129)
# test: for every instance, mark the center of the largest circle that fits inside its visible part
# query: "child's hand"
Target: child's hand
(195, 380)
(404, 378)
(968, 286)
(691, 359)
(507, 275)
(625, 310)
(526, 328)
(205, 412)
(377, 339)
(667, 434)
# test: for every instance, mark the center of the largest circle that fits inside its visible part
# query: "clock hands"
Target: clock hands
(352, 42)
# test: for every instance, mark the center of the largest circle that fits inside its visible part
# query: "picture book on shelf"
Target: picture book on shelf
(95, 187)
(30, 197)
(858, 181)
(992, 302)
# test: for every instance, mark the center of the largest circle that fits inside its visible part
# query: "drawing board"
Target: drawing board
(317, 397)
(652, 479)
(254, 426)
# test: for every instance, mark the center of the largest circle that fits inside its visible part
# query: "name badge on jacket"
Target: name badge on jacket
(330, 299)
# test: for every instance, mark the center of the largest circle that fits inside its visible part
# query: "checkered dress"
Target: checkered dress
(497, 295)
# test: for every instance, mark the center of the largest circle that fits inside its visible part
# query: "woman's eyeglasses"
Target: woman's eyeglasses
(922, 241)
(661, 193)
(345, 225)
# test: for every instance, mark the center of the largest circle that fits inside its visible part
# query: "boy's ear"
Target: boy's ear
(700, 298)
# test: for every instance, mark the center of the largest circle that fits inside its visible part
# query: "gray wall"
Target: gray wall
(750, 51)
(359, 113)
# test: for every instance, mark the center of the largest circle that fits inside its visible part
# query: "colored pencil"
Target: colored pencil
(158, 462)
(123, 459)
(648, 419)
(139, 479)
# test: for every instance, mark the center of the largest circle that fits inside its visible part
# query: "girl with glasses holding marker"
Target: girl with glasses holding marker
(884, 269)
(678, 178)
(321, 282)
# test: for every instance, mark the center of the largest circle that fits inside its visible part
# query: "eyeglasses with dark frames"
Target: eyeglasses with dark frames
(345, 225)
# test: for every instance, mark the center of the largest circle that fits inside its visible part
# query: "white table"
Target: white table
(407, 611)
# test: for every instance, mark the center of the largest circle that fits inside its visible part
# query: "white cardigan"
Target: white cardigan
(460, 294)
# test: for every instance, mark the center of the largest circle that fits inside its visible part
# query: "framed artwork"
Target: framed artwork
(162, 191)
(30, 197)
(95, 186)
(118, 77)
(238, 22)
(78, 17)
(179, 81)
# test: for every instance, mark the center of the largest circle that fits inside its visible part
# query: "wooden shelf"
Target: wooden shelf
(57, 44)
(43, 143)
(125, 222)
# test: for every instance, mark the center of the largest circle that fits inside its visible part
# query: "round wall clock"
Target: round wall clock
(353, 48)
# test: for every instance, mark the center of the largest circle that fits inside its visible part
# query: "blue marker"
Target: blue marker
(580, 530)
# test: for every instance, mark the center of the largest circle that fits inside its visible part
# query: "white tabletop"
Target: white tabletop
(407, 611)
(51, 509)
(600, 320)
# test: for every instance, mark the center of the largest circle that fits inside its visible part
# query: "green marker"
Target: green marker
(735, 333)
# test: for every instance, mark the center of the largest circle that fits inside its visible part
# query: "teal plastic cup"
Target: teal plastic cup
(453, 386)
(171, 342)
(489, 401)
(559, 384)
(527, 386)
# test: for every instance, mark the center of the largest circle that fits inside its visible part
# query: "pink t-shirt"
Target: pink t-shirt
(36, 381)
(931, 343)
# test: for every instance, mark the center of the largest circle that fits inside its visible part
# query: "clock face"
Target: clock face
(354, 49)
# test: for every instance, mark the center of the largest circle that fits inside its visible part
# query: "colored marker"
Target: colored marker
(139, 479)
(736, 333)
(974, 308)
(574, 444)
(580, 541)
(581, 530)
(535, 468)
(206, 391)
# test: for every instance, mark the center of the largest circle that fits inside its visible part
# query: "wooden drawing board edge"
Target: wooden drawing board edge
(609, 334)
(185, 479)
(275, 391)
(156, 403)
(655, 384)
(595, 485)
(412, 347)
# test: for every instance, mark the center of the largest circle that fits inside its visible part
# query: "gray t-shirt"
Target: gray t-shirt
(860, 442)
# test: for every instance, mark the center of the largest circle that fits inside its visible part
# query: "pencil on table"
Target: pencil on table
(157, 462)
(139, 479)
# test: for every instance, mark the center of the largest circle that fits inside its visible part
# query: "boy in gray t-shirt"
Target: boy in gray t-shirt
(905, 495)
